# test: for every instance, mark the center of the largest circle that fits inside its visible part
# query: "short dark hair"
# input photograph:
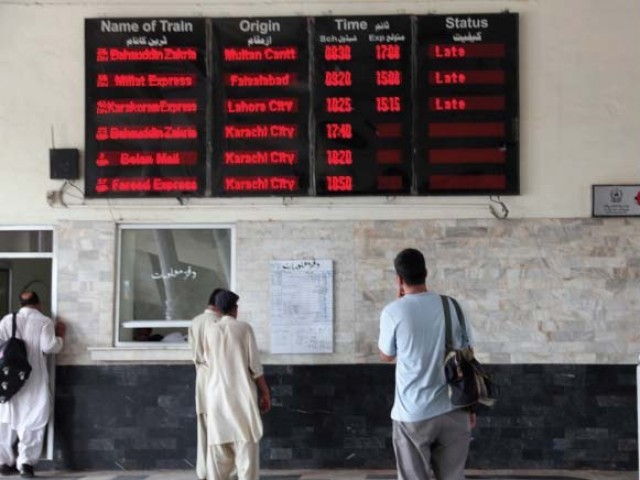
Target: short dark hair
(226, 301)
(214, 294)
(29, 298)
(410, 266)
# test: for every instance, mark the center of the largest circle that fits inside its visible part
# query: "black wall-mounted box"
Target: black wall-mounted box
(63, 163)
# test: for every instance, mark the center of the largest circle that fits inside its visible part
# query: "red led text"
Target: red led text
(447, 78)
(338, 78)
(339, 104)
(262, 105)
(467, 103)
(164, 132)
(470, 77)
(261, 184)
(125, 159)
(388, 77)
(387, 51)
(337, 52)
(388, 104)
(136, 80)
(339, 157)
(261, 157)
(486, 50)
(474, 77)
(105, 107)
(339, 183)
(257, 54)
(148, 184)
(260, 79)
(166, 54)
(260, 131)
(339, 130)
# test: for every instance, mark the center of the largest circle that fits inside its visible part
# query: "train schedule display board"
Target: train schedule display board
(293, 106)
(362, 105)
(145, 130)
(261, 107)
(466, 129)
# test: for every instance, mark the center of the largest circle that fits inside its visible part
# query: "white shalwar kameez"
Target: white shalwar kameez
(27, 413)
(196, 339)
(233, 416)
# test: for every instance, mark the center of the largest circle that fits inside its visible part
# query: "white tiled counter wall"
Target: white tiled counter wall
(537, 291)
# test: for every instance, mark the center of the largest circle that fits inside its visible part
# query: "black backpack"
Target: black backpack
(14, 366)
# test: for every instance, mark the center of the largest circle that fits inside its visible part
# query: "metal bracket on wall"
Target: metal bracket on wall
(500, 210)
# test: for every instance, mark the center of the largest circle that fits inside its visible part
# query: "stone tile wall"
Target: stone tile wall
(535, 290)
(337, 416)
(85, 255)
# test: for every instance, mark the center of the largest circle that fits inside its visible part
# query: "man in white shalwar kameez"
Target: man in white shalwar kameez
(233, 401)
(196, 339)
(25, 416)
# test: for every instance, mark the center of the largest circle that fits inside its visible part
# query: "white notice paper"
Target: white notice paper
(301, 306)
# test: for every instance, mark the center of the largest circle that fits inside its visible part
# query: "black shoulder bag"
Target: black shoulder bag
(468, 383)
(14, 365)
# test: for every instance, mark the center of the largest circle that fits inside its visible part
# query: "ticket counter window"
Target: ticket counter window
(166, 275)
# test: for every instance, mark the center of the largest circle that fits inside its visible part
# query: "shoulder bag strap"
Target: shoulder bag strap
(447, 323)
(13, 325)
(463, 324)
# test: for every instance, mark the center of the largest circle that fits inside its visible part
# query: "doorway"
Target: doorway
(20, 274)
(27, 263)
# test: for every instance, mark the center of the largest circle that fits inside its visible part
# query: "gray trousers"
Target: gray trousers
(433, 449)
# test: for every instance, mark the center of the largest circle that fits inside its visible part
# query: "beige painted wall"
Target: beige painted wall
(560, 290)
(579, 98)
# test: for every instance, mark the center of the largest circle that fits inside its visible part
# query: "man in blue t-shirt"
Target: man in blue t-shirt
(430, 435)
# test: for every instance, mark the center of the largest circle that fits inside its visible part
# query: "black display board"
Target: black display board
(362, 105)
(466, 131)
(261, 107)
(146, 107)
(367, 105)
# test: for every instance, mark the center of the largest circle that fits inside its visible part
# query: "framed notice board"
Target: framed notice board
(301, 306)
(293, 106)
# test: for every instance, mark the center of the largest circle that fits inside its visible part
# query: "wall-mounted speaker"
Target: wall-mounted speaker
(64, 163)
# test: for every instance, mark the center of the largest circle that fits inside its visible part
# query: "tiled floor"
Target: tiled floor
(348, 475)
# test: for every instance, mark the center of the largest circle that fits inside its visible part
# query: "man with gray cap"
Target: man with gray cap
(234, 426)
